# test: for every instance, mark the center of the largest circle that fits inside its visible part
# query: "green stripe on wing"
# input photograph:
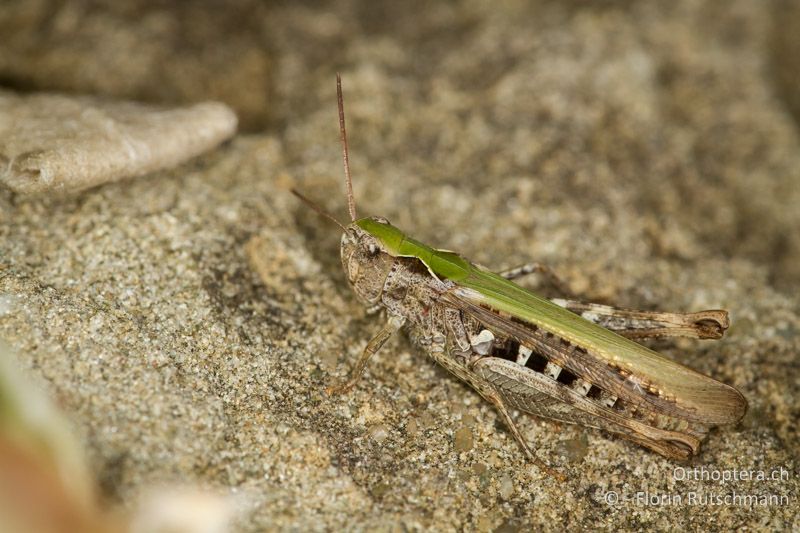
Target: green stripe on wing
(699, 396)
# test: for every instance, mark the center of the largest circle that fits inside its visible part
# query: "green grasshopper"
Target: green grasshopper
(569, 361)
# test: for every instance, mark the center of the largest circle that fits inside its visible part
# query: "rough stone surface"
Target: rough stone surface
(639, 148)
(53, 143)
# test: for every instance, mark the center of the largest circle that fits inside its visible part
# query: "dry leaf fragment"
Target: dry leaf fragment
(51, 142)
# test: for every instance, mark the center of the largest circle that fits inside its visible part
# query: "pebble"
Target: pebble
(462, 440)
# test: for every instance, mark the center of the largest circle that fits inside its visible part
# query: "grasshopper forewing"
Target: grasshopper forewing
(559, 359)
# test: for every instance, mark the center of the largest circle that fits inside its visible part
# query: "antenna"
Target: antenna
(351, 201)
(318, 209)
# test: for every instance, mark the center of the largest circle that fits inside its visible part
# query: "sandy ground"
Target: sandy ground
(645, 151)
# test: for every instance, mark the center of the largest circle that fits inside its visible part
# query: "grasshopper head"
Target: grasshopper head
(369, 245)
(366, 256)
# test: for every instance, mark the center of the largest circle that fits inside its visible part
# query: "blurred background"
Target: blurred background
(710, 77)
(714, 68)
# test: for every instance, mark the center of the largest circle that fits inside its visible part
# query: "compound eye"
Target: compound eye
(372, 249)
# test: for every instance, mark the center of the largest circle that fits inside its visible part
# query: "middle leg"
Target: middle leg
(536, 268)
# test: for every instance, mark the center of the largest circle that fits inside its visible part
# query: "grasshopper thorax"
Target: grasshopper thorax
(367, 258)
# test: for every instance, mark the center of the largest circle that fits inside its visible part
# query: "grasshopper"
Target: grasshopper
(561, 359)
